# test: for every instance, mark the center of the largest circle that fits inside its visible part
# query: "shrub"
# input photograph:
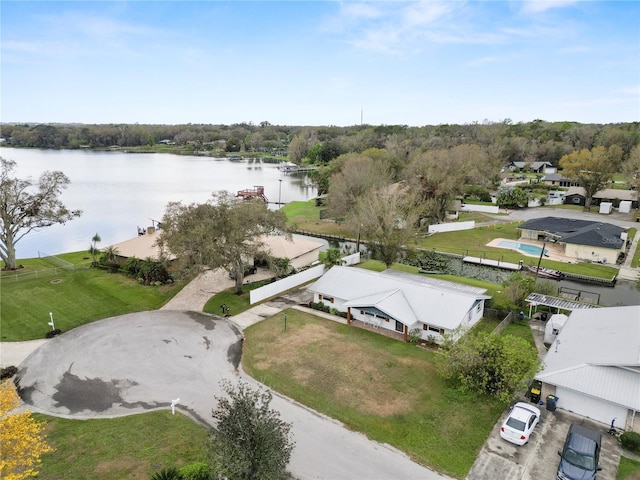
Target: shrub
(195, 471)
(415, 335)
(52, 333)
(631, 441)
(169, 473)
(8, 372)
(320, 306)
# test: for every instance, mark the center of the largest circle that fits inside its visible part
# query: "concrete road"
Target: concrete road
(141, 361)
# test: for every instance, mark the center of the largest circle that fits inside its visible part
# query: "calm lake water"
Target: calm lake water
(118, 192)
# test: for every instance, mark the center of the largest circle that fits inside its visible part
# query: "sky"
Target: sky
(319, 62)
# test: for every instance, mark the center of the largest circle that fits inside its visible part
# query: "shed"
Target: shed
(605, 207)
(553, 327)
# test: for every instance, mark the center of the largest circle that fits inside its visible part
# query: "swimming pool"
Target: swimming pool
(522, 247)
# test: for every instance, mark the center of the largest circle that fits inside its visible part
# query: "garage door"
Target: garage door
(591, 407)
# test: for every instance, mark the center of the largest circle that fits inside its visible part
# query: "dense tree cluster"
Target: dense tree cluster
(531, 141)
(429, 167)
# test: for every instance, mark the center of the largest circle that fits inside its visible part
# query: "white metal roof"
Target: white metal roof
(406, 299)
(598, 353)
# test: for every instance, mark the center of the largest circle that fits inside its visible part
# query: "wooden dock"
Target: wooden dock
(493, 263)
(607, 282)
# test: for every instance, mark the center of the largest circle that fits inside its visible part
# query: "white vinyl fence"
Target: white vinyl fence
(452, 227)
(293, 281)
(468, 207)
(285, 284)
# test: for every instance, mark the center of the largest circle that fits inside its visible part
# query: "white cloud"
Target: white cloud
(539, 6)
(485, 61)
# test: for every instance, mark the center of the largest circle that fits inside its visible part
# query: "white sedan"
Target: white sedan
(522, 419)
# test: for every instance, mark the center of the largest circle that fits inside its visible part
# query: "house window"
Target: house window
(478, 307)
(399, 326)
(434, 329)
(328, 299)
(575, 199)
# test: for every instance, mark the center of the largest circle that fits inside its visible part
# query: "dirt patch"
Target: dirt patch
(129, 466)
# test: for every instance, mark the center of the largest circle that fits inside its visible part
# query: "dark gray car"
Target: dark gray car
(580, 455)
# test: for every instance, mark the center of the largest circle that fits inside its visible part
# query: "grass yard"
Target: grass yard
(520, 329)
(236, 303)
(306, 216)
(75, 298)
(126, 447)
(387, 389)
(635, 261)
(628, 470)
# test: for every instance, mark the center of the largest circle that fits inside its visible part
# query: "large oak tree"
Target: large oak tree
(387, 219)
(221, 233)
(26, 206)
(593, 169)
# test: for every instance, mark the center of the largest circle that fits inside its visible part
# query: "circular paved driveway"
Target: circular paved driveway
(142, 361)
(133, 363)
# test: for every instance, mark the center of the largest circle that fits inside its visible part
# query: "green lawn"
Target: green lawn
(305, 215)
(387, 389)
(635, 261)
(127, 447)
(628, 469)
(74, 297)
(236, 303)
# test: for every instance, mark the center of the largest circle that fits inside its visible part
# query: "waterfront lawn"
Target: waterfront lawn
(124, 447)
(387, 389)
(305, 216)
(75, 298)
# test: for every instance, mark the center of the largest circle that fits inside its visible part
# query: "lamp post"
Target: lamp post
(279, 193)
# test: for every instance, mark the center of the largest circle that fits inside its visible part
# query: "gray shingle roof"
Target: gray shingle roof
(578, 232)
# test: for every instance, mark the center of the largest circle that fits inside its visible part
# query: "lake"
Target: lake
(119, 192)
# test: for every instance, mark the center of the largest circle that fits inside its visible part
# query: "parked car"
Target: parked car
(581, 453)
(522, 419)
(248, 270)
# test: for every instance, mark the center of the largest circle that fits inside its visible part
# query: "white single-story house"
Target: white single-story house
(401, 302)
(580, 239)
(593, 366)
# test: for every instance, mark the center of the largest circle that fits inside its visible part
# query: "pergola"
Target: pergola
(535, 299)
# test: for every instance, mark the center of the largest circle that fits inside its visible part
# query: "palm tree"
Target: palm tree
(93, 249)
(110, 257)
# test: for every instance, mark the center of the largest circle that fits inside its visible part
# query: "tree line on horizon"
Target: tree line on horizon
(507, 141)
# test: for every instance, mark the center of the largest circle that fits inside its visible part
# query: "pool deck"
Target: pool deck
(553, 251)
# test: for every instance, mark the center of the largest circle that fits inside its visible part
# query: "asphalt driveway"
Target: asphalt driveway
(142, 361)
